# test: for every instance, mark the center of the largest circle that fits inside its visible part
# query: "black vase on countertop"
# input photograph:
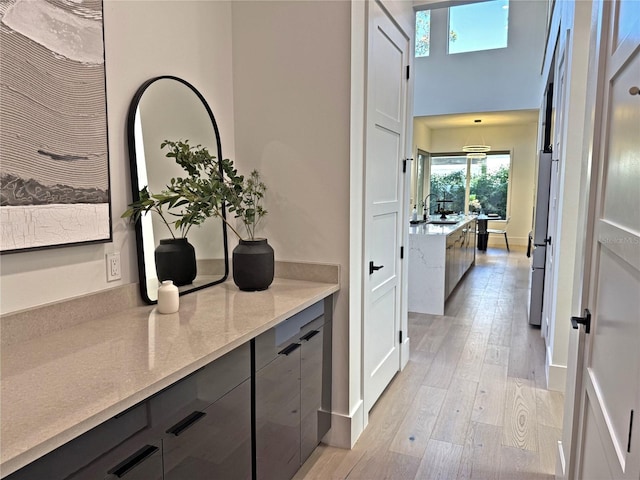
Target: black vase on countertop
(176, 260)
(253, 265)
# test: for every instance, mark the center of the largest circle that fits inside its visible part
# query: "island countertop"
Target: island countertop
(436, 229)
(56, 387)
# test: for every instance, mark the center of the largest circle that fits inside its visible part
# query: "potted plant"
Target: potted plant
(190, 200)
(253, 258)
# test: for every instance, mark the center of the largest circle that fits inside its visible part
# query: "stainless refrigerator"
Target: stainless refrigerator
(537, 248)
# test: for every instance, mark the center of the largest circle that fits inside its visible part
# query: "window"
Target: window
(471, 184)
(423, 30)
(478, 26)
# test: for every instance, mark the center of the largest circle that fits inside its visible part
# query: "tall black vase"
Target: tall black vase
(253, 265)
(176, 260)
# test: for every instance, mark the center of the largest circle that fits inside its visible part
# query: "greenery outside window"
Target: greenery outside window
(474, 185)
(423, 32)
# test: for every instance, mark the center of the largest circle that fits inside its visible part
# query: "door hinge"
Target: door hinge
(585, 320)
(400, 336)
(404, 164)
(630, 428)
(401, 252)
(408, 67)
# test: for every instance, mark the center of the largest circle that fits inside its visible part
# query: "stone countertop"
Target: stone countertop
(434, 229)
(57, 387)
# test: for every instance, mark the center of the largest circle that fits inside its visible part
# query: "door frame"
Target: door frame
(404, 196)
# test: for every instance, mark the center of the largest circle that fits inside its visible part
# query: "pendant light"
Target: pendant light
(481, 147)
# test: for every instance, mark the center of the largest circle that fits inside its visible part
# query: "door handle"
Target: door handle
(586, 321)
(373, 268)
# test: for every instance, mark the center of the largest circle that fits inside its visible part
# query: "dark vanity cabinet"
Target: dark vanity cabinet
(272, 393)
(293, 392)
(119, 448)
(205, 421)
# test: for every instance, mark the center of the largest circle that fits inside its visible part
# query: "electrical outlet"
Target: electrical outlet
(113, 266)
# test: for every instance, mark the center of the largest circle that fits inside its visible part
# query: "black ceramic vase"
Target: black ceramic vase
(253, 265)
(176, 260)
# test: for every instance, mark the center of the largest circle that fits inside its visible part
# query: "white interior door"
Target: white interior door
(384, 193)
(608, 444)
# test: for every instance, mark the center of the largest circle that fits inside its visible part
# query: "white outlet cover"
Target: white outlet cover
(113, 267)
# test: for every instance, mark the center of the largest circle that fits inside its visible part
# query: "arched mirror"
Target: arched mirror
(169, 108)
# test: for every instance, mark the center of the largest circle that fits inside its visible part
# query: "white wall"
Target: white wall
(143, 39)
(291, 72)
(485, 81)
(520, 140)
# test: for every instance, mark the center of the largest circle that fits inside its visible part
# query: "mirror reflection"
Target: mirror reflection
(169, 108)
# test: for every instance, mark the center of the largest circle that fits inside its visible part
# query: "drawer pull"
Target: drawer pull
(309, 335)
(185, 423)
(134, 460)
(289, 349)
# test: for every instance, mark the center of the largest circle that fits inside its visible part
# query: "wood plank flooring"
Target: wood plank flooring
(471, 403)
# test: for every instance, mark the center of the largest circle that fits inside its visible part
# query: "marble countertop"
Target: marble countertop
(57, 387)
(435, 229)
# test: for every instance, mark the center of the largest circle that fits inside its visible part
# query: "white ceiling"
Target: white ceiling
(489, 119)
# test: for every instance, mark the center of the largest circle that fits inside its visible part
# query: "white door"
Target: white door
(608, 443)
(384, 193)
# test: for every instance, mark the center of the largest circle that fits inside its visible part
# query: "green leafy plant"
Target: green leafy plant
(190, 200)
(246, 202)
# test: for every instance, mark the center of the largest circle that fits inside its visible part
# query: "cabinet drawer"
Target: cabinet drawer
(140, 458)
(81, 451)
(277, 426)
(217, 443)
(201, 388)
(271, 342)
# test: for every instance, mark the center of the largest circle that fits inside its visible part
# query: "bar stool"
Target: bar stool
(501, 232)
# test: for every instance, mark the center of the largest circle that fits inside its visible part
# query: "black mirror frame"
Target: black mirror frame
(135, 188)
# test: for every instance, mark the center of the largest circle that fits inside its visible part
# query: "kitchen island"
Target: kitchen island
(439, 256)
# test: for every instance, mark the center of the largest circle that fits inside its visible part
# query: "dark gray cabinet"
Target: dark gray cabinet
(209, 424)
(278, 415)
(293, 392)
(125, 437)
(205, 421)
(460, 255)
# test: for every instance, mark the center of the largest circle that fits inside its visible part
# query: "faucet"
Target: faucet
(425, 207)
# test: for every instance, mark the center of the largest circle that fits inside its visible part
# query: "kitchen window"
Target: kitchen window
(470, 185)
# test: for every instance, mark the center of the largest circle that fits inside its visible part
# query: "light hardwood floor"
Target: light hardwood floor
(471, 402)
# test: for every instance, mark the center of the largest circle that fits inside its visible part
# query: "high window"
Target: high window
(473, 185)
(423, 31)
(478, 26)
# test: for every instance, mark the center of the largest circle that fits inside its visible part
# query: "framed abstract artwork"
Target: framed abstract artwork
(54, 158)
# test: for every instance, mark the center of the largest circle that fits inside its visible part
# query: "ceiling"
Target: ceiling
(489, 119)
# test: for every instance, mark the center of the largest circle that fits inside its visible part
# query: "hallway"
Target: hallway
(471, 402)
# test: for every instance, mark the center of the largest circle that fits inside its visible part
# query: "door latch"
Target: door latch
(585, 320)
(373, 268)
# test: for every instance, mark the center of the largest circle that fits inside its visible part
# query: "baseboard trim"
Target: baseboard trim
(561, 471)
(556, 374)
(346, 429)
(405, 350)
